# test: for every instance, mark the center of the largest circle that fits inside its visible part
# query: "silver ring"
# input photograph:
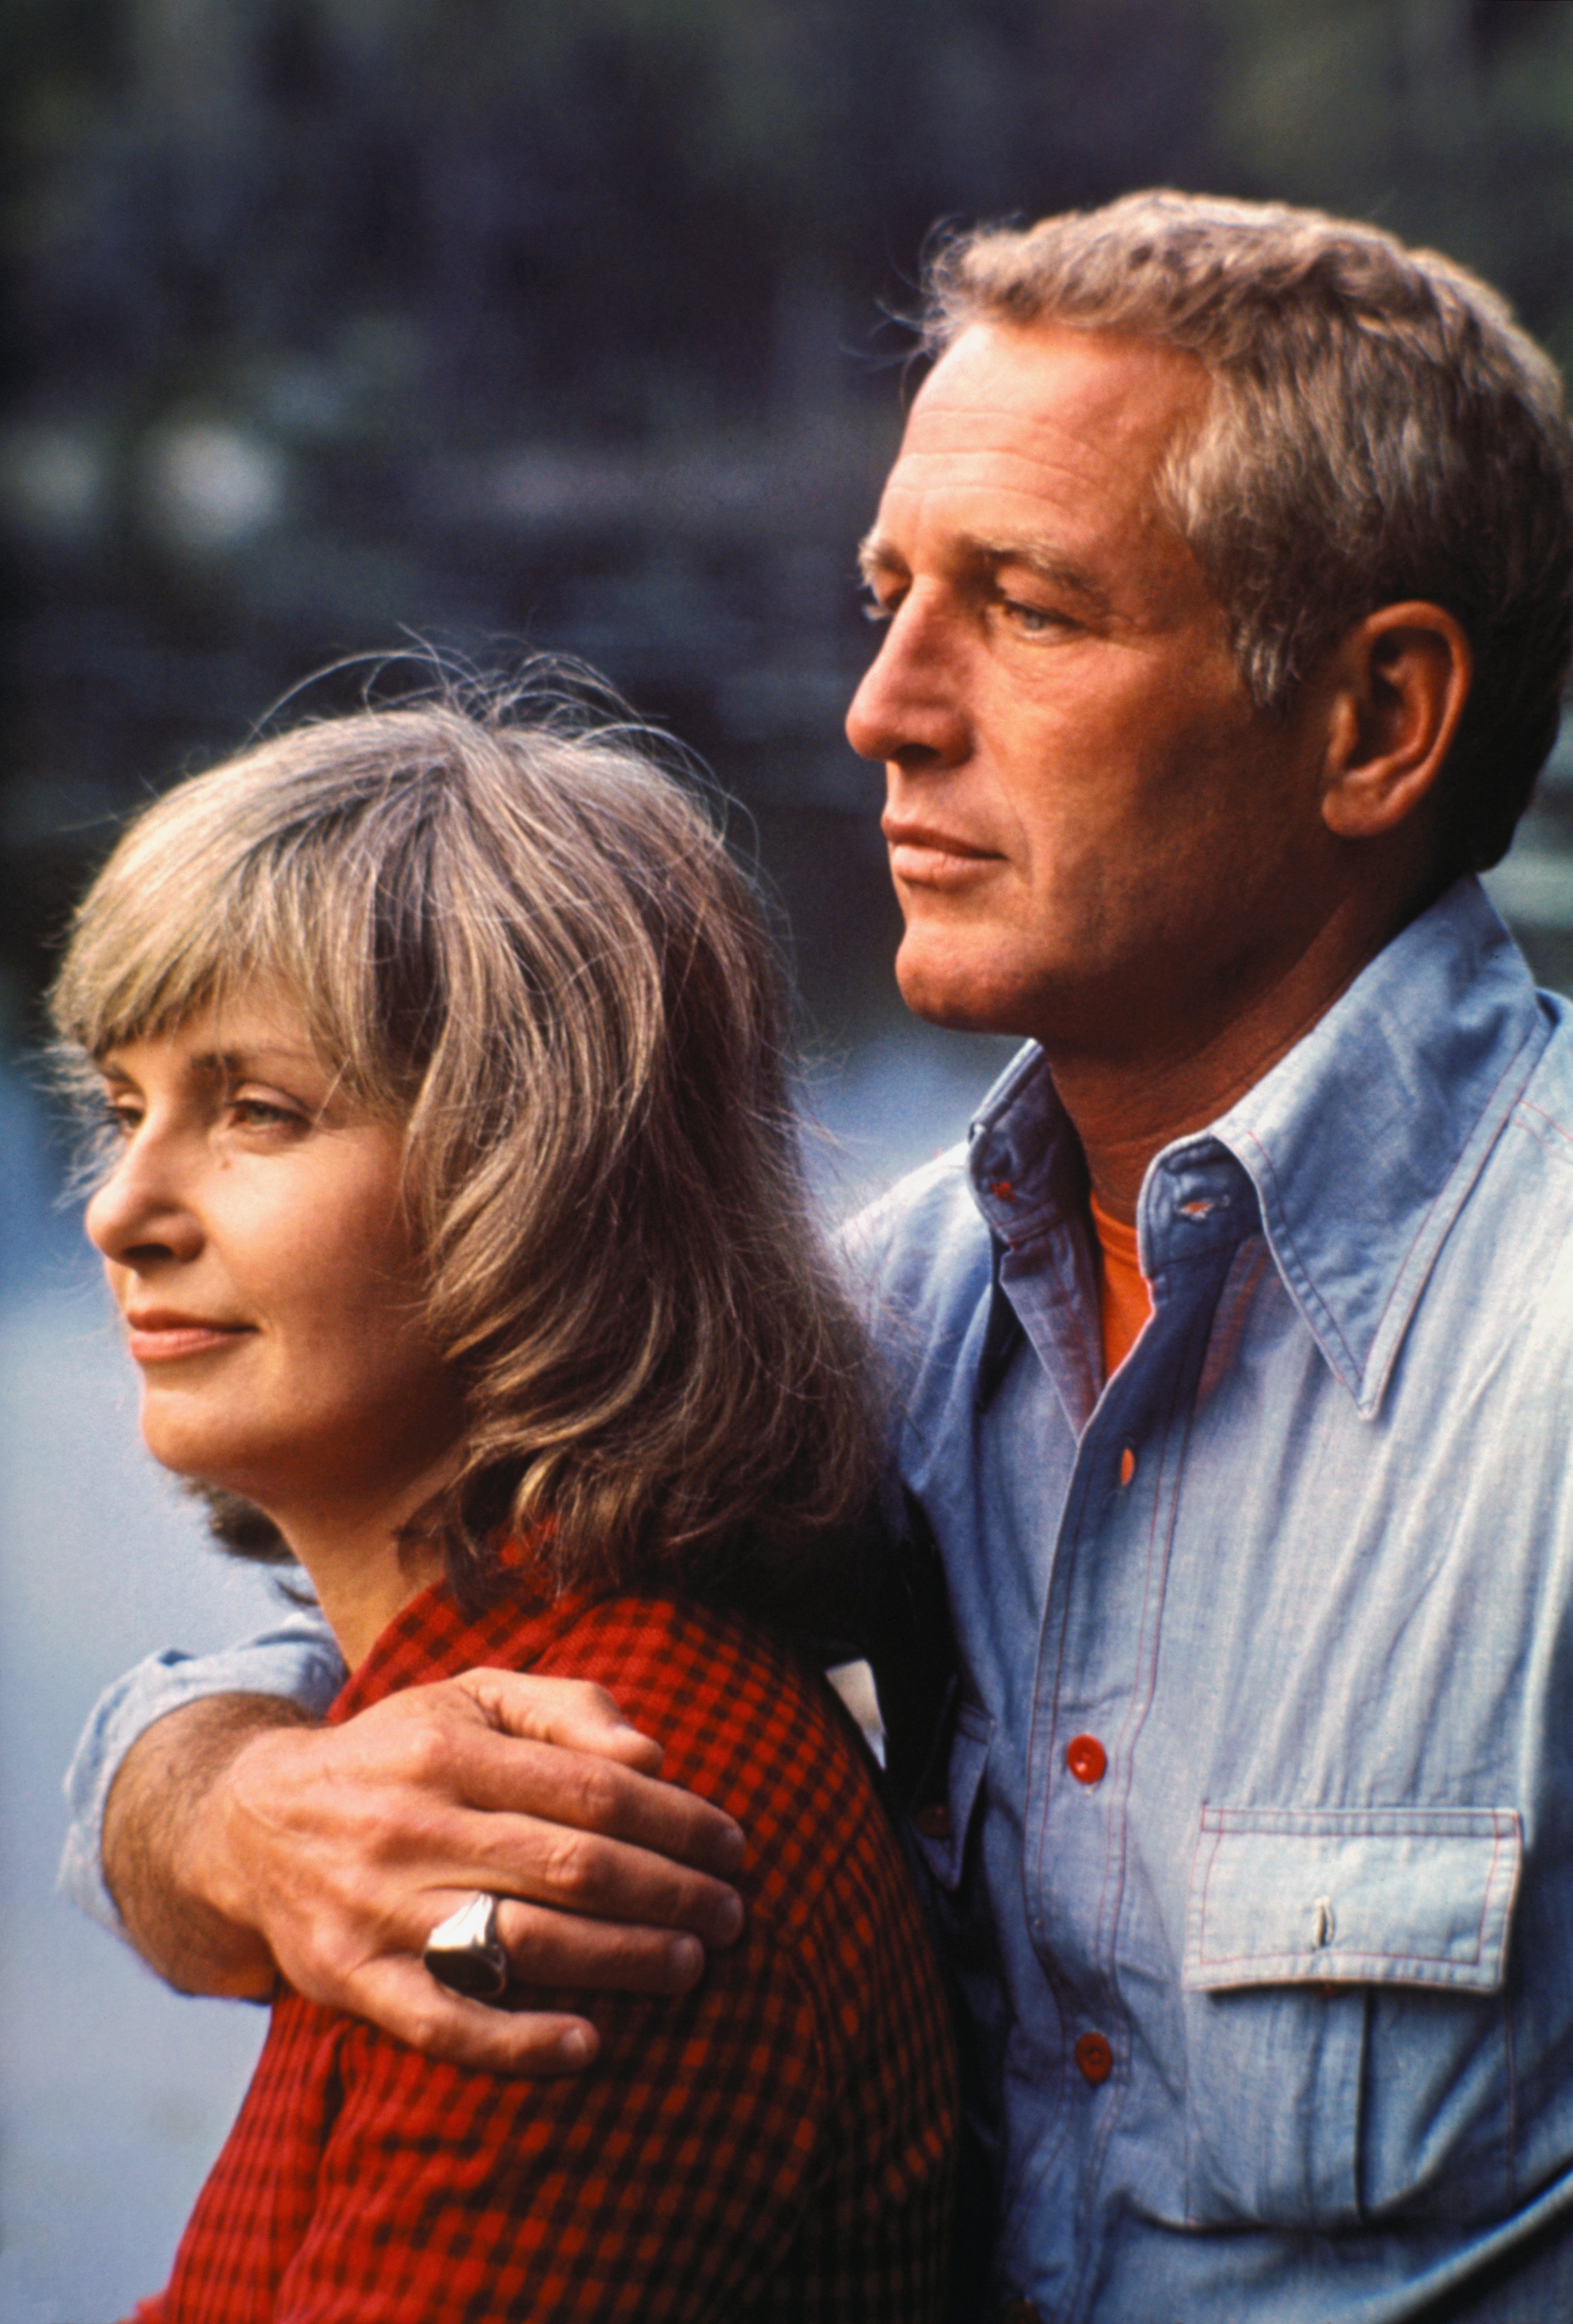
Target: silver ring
(465, 1953)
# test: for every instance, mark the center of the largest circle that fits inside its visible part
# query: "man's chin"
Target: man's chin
(960, 996)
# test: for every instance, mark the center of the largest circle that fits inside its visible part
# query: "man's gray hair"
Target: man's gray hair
(1379, 429)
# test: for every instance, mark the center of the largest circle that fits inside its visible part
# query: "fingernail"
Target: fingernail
(577, 2047)
(685, 1959)
(729, 1849)
(728, 1919)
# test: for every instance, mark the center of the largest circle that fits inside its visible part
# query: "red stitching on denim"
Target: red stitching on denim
(1527, 1105)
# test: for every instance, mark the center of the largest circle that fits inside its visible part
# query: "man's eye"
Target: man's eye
(1035, 620)
(120, 1117)
(875, 608)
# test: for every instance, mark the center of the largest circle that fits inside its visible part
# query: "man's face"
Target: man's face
(1091, 829)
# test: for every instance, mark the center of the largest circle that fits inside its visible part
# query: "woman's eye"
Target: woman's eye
(263, 1113)
(120, 1116)
(876, 609)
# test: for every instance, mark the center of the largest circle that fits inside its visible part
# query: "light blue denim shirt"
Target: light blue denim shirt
(1272, 1974)
(1302, 1573)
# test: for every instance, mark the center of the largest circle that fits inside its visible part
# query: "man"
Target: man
(1227, 564)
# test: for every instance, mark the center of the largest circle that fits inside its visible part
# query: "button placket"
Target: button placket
(1102, 1616)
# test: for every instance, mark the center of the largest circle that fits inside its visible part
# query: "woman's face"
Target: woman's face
(257, 1244)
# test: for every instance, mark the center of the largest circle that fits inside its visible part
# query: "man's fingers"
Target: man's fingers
(356, 1841)
(548, 1949)
(401, 1996)
(596, 1795)
(571, 1712)
(581, 1874)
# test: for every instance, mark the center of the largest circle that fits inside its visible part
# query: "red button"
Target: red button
(1019, 2311)
(1086, 1759)
(1127, 1465)
(933, 1819)
(1094, 2057)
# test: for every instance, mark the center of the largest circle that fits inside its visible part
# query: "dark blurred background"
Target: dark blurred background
(328, 325)
(564, 323)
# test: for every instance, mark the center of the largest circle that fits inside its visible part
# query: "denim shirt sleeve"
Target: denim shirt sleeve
(299, 1659)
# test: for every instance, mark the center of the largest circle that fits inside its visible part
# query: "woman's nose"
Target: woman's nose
(142, 1209)
(910, 711)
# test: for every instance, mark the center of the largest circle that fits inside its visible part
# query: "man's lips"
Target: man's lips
(157, 1335)
(925, 857)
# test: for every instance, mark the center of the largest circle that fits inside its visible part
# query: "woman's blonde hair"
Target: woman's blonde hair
(512, 929)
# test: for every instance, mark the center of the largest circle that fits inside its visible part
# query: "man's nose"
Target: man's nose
(910, 711)
(140, 1211)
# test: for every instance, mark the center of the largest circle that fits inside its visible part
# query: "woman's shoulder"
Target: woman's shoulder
(729, 1697)
(749, 1724)
(697, 1670)
(745, 1720)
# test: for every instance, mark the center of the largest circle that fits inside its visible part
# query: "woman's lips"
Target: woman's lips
(160, 1339)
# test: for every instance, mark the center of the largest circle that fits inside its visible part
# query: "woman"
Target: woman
(454, 1220)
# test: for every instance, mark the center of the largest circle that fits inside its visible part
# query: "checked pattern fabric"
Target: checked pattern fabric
(776, 2145)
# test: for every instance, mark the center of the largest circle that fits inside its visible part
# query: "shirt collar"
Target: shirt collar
(1359, 1147)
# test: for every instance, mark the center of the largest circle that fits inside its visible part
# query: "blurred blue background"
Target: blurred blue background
(509, 325)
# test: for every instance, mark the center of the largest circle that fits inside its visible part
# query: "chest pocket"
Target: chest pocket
(1346, 2043)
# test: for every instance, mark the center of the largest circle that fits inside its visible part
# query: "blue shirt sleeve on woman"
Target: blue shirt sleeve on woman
(299, 1658)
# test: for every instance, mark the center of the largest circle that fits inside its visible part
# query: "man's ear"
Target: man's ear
(1399, 682)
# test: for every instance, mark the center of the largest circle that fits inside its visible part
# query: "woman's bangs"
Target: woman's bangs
(151, 953)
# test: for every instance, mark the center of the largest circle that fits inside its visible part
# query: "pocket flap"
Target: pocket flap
(1359, 1896)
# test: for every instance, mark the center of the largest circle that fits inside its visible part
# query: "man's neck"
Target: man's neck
(1127, 1108)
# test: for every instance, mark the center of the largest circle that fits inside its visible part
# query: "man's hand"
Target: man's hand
(240, 1837)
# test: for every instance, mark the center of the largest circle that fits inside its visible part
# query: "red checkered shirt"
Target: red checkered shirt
(777, 2144)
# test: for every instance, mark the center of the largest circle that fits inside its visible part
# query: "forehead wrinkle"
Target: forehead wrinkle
(974, 445)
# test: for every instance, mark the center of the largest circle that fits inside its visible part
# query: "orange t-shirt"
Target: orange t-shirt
(1124, 1299)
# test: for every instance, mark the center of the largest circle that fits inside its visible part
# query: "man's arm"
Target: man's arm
(155, 1800)
(296, 1665)
(240, 1836)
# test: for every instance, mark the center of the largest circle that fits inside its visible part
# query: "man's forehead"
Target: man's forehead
(1043, 392)
(1039, 423)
